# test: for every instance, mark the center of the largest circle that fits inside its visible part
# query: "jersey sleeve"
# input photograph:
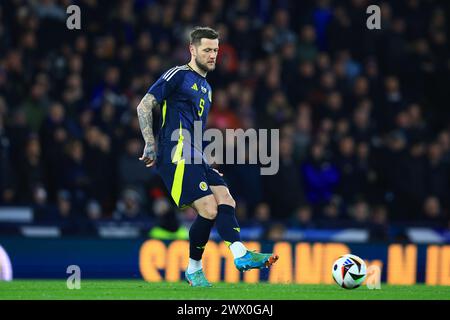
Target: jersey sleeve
(166, 84)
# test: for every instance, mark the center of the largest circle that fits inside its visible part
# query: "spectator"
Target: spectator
(302, 218)
(93, 211)
(349, 183)
(366, 174)
(432, 212)
(54, 134)
(66, 217)
(279, 110)
(330, 214)
(41, 207)
(262, 217)
(282, 27)
(129, 207)
(227, 58)
(437, 173)
(6, 172)
(321, 177)
(167, 226)
(221, 116)
(284, 190)
(307, 47)
(276, 232)
(76, 178)
(130, 170)
(303, 132)
(392, 103)
(379, 224)
(359, 212)
(98, 150)
(362, 129)
(246, 111)
(36, 105)
(412, 186)
(31, 171)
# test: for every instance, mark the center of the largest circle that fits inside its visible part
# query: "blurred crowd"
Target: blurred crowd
(363, 114)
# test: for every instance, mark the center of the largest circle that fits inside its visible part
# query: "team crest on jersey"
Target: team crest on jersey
(204, 89)
(203, 186)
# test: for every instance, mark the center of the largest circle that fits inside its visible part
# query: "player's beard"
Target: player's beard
(203, 66)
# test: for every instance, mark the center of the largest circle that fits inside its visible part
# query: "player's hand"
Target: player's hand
(149, 155)
(220, 174)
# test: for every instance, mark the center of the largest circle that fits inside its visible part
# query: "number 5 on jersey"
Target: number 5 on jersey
(202, 106)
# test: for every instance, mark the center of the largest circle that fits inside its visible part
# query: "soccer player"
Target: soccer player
(184, 96)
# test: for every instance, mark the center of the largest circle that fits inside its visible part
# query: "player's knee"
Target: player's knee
(208, 209)
(228, 200)
(210, 212)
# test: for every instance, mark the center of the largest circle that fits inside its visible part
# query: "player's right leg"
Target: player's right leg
(223, 213)
(228, 227)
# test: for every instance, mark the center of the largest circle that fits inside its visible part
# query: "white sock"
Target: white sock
(194, 265)
(238, 249)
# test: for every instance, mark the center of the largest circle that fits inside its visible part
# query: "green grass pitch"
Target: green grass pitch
(139, 289)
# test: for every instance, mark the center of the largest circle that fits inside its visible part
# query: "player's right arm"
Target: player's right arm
(161, 90)
(144, 111)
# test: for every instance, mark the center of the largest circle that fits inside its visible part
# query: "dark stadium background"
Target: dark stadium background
(363, 115)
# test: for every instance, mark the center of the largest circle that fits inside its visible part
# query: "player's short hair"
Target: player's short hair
(202, 32)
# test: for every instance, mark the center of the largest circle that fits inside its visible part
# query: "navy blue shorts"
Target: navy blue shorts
(188, 182)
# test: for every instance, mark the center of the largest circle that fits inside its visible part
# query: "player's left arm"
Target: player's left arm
(144, 111)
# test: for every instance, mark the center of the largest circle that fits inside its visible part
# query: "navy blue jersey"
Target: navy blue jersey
(184, 96)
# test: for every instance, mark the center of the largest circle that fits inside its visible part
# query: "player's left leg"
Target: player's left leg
(229, 230)
(187, 186)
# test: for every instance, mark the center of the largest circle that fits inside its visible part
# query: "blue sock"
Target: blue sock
(199, 236)
(227, 225)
